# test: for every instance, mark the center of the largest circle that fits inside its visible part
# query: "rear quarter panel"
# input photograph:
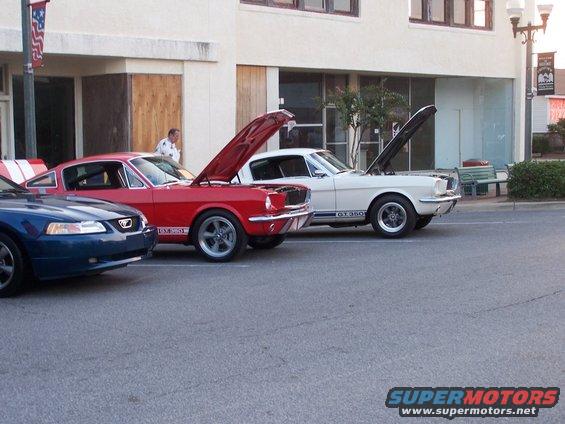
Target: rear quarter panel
(177, 207)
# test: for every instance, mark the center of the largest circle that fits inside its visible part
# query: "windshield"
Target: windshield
(161, 170)
(329, 161)
(7, 186)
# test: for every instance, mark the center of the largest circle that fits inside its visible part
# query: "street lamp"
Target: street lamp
(515, 9)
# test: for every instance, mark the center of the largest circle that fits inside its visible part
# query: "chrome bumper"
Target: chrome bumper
(444, 199)
(294, 214)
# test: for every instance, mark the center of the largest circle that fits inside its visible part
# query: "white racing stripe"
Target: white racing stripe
(26, 169)
(14, 171)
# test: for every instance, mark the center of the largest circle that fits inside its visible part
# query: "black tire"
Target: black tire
(220, 243)
(423, 221)
(393, 216)
(12, 270)
(264, 243)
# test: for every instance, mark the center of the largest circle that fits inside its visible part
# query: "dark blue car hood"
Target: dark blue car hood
(69, 208)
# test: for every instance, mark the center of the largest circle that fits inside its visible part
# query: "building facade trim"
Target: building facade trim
(116, 46)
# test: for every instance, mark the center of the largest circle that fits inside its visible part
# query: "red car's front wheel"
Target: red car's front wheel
(219, 236)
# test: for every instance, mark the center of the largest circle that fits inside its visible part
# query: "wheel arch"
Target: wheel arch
(389, 193)
(13, 234)
(215, 207)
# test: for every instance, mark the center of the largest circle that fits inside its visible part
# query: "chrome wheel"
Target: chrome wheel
(392, 217)
(217, 237)
(7, 267)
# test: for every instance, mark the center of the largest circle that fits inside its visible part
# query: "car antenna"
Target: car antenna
(208, 180)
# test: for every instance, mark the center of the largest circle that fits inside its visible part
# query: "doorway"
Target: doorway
(55, 119)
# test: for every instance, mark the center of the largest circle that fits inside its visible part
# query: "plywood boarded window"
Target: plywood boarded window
(156, 107)
(251, 94)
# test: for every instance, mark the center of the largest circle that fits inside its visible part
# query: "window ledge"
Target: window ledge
(245, 7)
(446, 28)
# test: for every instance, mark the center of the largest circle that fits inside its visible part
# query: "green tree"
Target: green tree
(558, 128)
(360, 110)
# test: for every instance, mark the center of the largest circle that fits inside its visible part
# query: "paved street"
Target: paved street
(315, 331)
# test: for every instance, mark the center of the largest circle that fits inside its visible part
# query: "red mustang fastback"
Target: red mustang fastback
(218, 217)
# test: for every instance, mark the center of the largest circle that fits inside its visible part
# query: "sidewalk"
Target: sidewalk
(493, 204)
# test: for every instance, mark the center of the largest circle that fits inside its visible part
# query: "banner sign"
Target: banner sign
(546, 74)
(38, 11)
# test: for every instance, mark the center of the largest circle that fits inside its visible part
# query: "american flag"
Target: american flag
(37, 32)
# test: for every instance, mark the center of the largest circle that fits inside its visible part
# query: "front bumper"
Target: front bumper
(69, 256)
(440, 205)
(285, 222)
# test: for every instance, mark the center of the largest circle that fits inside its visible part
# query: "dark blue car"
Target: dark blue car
(48, 237)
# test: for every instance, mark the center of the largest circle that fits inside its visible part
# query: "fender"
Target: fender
(385, 191)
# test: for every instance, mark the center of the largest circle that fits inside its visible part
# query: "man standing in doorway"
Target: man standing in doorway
(167, 146)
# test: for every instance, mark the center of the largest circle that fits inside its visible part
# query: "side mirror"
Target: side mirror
(320, 174)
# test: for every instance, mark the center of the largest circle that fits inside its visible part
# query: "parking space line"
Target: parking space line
(350, 241)
(484, 223)
(190, 265)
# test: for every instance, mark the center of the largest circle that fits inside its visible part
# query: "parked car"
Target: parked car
(48, 237)
(393, 204)
(218, 217)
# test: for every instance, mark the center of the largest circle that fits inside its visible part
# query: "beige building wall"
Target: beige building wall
(203, 41)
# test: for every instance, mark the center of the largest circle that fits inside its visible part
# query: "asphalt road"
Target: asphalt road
(315, 331)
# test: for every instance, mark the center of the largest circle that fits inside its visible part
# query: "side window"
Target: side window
(265, 169)
(46, 181)
(134, 181)
(294, 166)
(312, 168)
(94, 176)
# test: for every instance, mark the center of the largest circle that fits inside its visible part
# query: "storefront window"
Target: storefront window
(474, 121)
(493, 120)
(317, 127)
(419, 152)
(423, 142)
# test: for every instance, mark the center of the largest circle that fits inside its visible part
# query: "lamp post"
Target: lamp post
(29, 91)
(515, 9)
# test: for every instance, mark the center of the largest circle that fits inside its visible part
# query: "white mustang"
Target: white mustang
(393, 204)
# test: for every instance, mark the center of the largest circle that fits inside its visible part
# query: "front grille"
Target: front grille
(128, 224)
(294, 196)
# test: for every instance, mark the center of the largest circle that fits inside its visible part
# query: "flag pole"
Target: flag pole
(29, 89)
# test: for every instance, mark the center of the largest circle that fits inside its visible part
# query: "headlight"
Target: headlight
(72, 228)
(268, 203)
(440, 188)
(144, 221)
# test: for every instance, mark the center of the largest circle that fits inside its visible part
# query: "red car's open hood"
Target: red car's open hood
(225, 166)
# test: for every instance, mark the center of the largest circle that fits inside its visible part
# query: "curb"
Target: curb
(509, 206)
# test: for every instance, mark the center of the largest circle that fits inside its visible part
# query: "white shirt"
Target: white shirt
(166, 148)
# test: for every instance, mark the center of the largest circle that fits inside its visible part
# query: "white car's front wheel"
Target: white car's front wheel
(393, 216)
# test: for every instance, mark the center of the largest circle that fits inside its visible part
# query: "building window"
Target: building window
(317, 127)
(418, 154)
(339, 7)
(458, 13)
